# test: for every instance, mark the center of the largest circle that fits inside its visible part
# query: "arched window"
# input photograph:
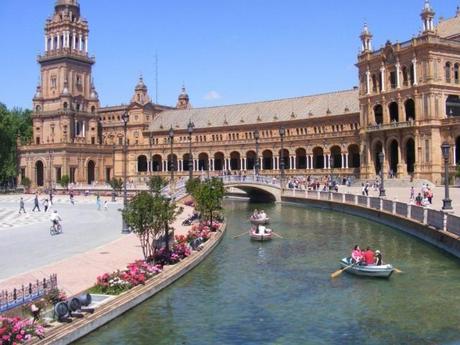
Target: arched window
(405, 76)
(93, 109)
(142, 163)
(453, 105)
(394, 112)
(374, 83)
(37, 108)
(66, 105)
(447, 72)
(456, 74)
(378, 114)
(409, 107)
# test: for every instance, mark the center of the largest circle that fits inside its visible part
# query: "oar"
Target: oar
(274, 233)
(340, 271)
(244, 233)
(397, 270)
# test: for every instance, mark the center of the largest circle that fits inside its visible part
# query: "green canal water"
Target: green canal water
(280, 292)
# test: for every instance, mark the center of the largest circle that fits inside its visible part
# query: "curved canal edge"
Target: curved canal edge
(441, 239)
(78, 328)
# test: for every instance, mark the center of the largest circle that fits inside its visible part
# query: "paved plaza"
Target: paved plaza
(91, 244)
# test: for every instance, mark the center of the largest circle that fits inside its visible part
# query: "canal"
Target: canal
(280, 292)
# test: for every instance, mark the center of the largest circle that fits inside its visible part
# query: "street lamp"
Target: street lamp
(50, 153)
(125, 119)
(446, 202)
(171, 164)
(257, 165)
(382, 187)
(190, 127)
(113, 172)
(282, 132)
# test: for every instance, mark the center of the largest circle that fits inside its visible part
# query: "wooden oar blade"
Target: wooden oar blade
(397, 270)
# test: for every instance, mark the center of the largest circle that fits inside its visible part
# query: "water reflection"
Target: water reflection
(280, 292)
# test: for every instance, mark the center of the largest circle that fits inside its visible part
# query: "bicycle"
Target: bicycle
(56, 229)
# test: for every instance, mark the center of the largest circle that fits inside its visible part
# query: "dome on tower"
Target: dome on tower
(140, 85)
(67, 3)
(183, 101)
(183, 95)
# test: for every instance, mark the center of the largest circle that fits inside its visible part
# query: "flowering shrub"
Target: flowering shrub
(117, 282)
(189, 203)
(18, 331)
(55, 296)
(173, 256)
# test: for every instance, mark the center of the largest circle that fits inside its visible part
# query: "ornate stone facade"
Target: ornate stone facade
(407, 104)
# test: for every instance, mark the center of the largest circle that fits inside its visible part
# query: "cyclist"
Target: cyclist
(55, 218)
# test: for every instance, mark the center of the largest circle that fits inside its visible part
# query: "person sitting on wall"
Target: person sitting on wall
(418, 200)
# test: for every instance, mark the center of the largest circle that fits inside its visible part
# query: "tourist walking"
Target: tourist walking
(98, 202)
(51, 197)
(21, 206)
(45, 204)
(36, 204)
(106, 205)
(72, 201)
(412, 193)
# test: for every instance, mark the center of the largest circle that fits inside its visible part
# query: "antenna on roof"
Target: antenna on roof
(156, 77)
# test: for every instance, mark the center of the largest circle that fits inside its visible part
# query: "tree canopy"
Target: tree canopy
(208, 196)
(15, 123)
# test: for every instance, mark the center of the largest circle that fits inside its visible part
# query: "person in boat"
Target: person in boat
(378, 258)
(255, 214)
(356, 255)
(257, 229)
(368, 256)
(262, 215)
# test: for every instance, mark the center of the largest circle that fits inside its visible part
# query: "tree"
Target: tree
(208, 196)
(156, 184)
(15, 127)
(116, 184)
(26, 182)
(166, 212)
(139, 216)
(64, 181)
(191, 185)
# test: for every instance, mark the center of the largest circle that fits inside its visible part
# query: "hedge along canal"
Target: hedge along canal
(281, 292)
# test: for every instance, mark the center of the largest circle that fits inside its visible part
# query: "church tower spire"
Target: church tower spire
(66, 92)
(427, 16)
(366, 39)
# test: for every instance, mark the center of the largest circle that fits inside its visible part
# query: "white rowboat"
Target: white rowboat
(382, 271)
(264, 234)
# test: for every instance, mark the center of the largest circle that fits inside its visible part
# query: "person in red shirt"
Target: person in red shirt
(368, 256)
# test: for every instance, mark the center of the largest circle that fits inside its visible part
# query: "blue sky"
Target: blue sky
(225, 52)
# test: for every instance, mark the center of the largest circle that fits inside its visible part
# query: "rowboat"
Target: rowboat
(259, 221)
(382, 271)
(263, 234)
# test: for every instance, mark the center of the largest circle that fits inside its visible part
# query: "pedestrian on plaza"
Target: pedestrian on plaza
(106, 205)
(45, 204)
(72, 201)
(429, 195)
(412, 193)
(21, 206)
(418, 200)
(36, 205)
(98, 202)
(51, 197)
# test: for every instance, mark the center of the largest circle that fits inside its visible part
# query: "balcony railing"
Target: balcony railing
(389, 126)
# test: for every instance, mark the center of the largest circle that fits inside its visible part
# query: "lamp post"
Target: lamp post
(446, 202)
(282, 132)
(50, 184)
(113, 172)
(257, 165)
(171, 164)
(190, 127)
(382, 186)
(125, 119)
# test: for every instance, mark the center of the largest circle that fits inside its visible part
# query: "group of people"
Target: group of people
(424, 198)
(366, 257)
(262, 230)
(258, 214)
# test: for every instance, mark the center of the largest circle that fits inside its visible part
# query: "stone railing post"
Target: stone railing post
(409, 209)
(318, 195)
(394, 207)
(368, 202)
(425, 216)
(381, 204)
(343, 198)
(444, 222)
(306, 193)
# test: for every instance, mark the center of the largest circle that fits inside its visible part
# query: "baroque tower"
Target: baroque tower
(66, 102)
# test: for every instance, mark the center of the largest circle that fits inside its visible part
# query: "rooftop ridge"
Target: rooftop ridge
(273, 100)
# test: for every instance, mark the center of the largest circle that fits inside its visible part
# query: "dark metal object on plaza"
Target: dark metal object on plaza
(446, 202)
(190, 127)
(257, 164)
(282, 132)
(382, 175)
(125, 118)
(171, 162)
(50, 153)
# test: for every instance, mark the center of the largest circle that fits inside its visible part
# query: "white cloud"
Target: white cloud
(212, 95)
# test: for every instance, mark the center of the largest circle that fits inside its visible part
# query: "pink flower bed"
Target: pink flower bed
(18, 331)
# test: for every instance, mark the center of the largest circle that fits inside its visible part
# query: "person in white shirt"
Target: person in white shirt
(55, 218)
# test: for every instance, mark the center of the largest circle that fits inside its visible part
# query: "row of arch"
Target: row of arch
(393, 111)
(40, 173)
(394, 155)
(236, 161)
